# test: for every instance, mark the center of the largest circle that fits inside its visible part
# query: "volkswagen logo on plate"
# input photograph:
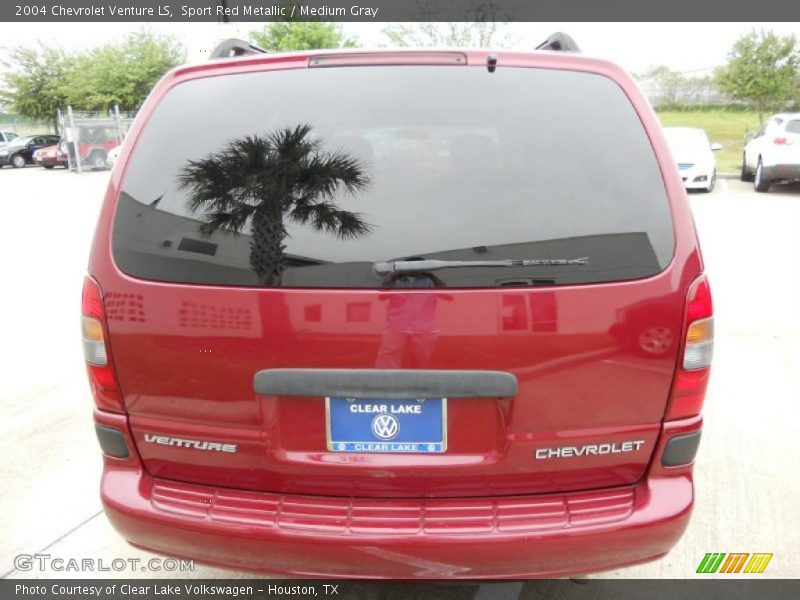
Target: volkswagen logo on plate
(385, 427)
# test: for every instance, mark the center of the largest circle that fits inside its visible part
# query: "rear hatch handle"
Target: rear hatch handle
(390, 384)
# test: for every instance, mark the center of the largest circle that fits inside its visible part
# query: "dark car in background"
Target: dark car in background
(19, 152)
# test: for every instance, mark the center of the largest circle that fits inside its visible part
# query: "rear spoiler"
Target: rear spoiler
(233, 47)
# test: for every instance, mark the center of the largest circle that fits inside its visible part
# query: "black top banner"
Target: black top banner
(398, 10)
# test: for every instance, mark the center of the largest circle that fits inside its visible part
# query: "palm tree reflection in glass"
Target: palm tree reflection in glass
(266, 180)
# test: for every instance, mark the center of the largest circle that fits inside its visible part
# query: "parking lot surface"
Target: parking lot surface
(747, 480)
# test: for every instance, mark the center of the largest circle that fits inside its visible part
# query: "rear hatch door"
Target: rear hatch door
(247, 242)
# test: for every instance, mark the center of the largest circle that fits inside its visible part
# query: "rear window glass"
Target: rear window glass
(309, 177)
(793, 126)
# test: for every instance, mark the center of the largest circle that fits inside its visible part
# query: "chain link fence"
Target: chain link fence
(87, 137)
(23, 126)
(685, 94)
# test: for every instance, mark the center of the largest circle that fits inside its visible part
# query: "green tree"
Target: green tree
(485, 34)
(667, 88)
(35, 81)
(282, 36)
(664, 84)
(265, 180)
(762, 69)
(122, 73)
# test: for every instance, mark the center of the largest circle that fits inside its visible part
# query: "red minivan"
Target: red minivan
(406, 314)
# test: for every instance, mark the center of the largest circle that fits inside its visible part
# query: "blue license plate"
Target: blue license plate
(375, 425)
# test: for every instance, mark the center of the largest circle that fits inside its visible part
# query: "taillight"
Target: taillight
(699, 347)
(102, 378)
(691, 375)
(781, 141)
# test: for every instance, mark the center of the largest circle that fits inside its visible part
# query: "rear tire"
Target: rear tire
(712, 182)
(745, 175)
(48, 166)
(761, 183)
(97, 160)
(18, 161)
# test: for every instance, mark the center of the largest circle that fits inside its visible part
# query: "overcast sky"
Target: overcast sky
(684, 47)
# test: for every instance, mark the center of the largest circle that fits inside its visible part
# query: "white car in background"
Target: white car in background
(694, 154)
(113, 156)
(773, 154)
(6, 136)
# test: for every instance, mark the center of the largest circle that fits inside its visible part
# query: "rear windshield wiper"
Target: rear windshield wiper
(410, 266)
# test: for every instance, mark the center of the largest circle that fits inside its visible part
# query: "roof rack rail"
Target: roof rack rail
(559, 42)
(234, 47)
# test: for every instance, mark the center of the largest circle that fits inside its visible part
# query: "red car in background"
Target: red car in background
(50, 156)
(308, 357)
(93, 146)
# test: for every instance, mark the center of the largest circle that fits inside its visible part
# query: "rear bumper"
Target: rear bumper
(518, 537)
(696, 178)
(782, 171)
(50, 162)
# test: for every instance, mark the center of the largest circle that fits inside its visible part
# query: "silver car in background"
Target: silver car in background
(694, 154)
